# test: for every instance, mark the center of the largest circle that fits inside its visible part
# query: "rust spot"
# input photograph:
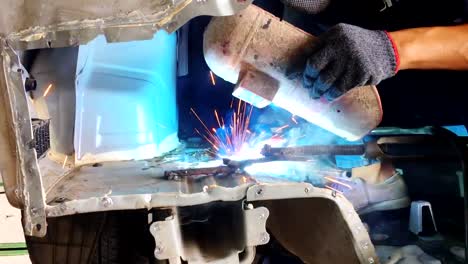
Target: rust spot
(267, 25)
(225, 48)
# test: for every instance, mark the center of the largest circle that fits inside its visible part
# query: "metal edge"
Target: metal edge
(148, 201)
(207, 8)
(117, 29)
(362, 244)
(32, 191)
(11, 184)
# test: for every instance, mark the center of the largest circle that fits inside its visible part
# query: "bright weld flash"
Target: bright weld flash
(47, 90)
(213, 80)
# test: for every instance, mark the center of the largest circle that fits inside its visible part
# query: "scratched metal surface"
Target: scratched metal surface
(256, 39)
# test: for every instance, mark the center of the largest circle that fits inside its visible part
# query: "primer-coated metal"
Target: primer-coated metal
(63, 23)
(33, 24)
(171, 245)
(28, 173)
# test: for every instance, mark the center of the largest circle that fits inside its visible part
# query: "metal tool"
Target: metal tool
(394, 147)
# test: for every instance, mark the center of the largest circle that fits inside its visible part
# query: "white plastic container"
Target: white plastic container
(126, 99)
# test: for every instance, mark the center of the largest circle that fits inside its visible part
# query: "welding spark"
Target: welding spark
(234, 138)
(333, 189)
(228, 140)
(281, 128)
(338, 182)
(293, 118)
(47, 90)
(213, 80)
(64, 162)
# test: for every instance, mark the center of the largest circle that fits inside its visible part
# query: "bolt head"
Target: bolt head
(159, 250)
(106, 201)
(259, 192)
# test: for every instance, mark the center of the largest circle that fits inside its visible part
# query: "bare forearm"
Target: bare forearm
(433, 47)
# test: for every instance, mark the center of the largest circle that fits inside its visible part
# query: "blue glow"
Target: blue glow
(126, 98)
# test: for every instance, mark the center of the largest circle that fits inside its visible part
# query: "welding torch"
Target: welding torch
(391, 147)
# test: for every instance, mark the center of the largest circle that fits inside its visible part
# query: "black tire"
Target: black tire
(69, 240)
(120, 237)
(125, 239)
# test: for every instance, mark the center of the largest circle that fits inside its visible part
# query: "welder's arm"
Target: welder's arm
(347, 56)
(443, 48)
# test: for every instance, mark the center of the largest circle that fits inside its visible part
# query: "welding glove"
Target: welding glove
(308, 6)
(345, 57)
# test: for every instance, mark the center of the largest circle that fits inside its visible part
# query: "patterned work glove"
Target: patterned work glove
(308, 6)
(345, 57)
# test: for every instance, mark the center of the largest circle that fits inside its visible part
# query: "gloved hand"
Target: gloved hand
(308, 6)
(345, 57)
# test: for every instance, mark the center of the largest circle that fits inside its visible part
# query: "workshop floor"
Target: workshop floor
(12, 242)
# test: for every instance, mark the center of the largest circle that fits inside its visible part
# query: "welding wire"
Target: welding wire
(213, 81)
(333, 189)
(338, 182)
(46, 92)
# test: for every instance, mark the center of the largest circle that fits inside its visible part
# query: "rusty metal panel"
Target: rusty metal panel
(63, 23)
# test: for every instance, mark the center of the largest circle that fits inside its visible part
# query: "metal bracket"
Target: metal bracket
(168, 239)
(170, 244)
(255, 226)
(34, 203)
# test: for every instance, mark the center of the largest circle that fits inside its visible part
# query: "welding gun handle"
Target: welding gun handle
(304, 151)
